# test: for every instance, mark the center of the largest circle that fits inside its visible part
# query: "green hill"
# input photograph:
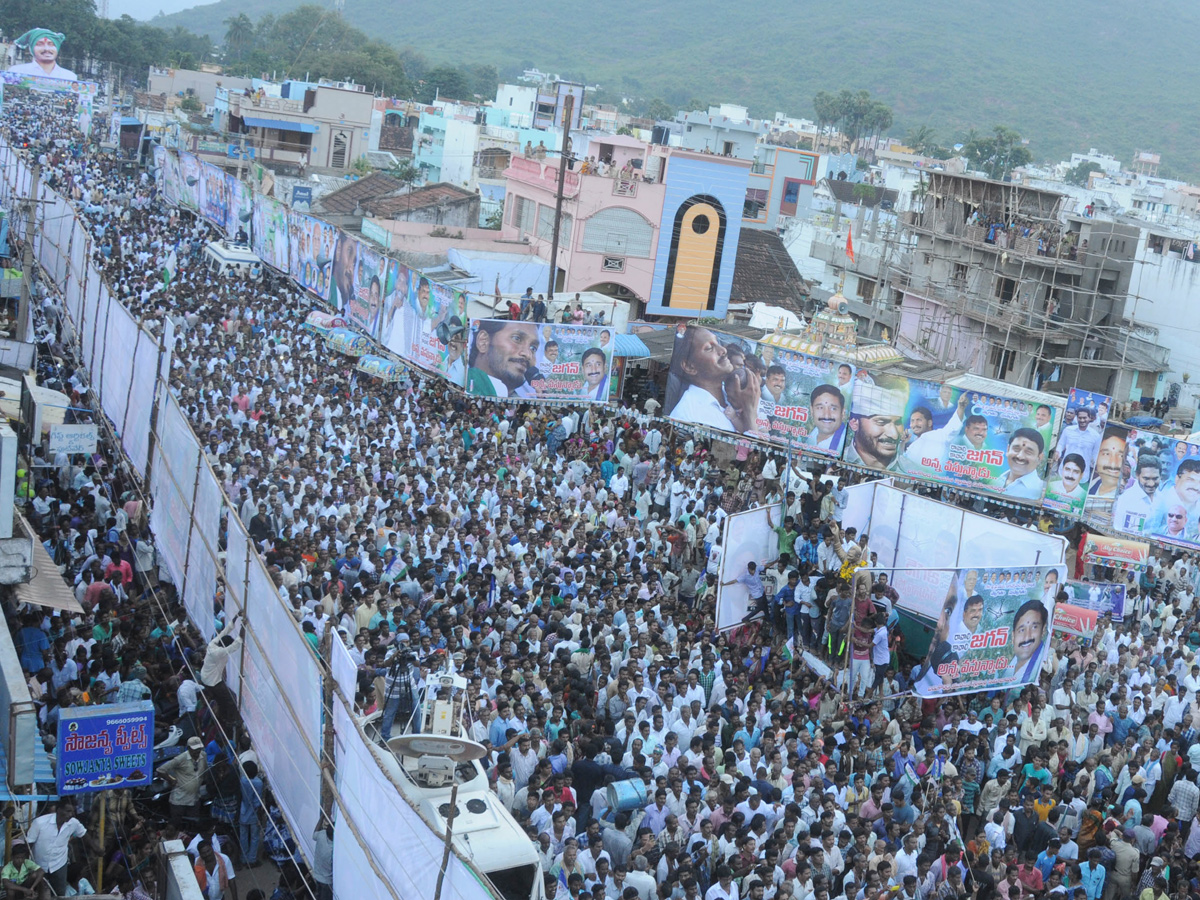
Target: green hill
(1112, 74)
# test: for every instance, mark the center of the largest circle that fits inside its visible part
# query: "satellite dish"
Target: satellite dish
(456, 748)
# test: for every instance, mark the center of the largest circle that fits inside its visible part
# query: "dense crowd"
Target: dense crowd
(567, 559)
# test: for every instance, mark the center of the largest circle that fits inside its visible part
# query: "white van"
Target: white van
(225, 259)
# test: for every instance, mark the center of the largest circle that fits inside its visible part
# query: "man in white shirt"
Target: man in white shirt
(50, 836)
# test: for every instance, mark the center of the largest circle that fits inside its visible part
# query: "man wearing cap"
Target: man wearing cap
(184, 774)
(43, 44)
(877, 428)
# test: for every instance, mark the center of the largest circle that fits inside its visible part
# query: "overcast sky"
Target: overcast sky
(146, 9)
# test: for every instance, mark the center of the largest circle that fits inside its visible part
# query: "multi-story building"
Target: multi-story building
(726, 130)
(445, 143)
(297, 125)
(780, 185)
(608, 230)
(1002, 284)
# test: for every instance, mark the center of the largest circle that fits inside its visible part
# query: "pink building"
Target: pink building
(609, 228)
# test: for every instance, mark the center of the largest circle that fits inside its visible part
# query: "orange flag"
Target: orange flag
(850, 243)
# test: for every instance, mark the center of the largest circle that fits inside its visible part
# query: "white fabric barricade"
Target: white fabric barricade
(116, 364)
(135, 430)
(747, 538)
(201, 584)
(911, 534)
(172, 481)
(285, 725)
(406, 850)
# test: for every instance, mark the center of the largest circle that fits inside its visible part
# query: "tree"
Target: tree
(445, 83)
(484, 79)
(239, 34)
(997, 154)
(408, 172)
(1079, 174)
(825, 109)
(659, 109)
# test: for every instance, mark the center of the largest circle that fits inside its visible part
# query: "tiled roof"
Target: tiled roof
(356, 193)
(764, 272)
(430, 195)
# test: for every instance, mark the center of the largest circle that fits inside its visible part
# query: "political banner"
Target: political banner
(172, 177)
(1106, 598)
(241, 208)
(358, 284)
(189, 187)
(312, 245)
(1108, 476)
(993, 630)
(103, 747)
(747, 387)
(539, 362)
(1074, 456)
(1115, 553)
(748, 538)
(425, 323)
(950, 435)
(215, 195)
(1170, 510)
(269, 238)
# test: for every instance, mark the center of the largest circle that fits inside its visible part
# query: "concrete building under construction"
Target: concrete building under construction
(1003, 284)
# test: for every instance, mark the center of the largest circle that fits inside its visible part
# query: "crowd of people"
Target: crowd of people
(566, 560)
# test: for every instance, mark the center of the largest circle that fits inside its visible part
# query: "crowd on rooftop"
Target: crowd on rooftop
(566, 559)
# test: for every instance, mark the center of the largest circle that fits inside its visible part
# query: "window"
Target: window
(546, 226)
(523, 212)
(1006, 289)
(1003, 360)
(340, 147)
(866, 289)
(755, 203)
(727, 148)
(960, 274)
(791, 196)
(620, 232)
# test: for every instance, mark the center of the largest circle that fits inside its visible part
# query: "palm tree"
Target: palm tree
(239, 33)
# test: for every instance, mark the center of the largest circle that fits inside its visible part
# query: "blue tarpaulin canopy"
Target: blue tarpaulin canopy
(630, 345)
(282, 124)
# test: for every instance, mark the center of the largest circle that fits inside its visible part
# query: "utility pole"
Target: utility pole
(27, 256)
(241, 160)
(568, 114)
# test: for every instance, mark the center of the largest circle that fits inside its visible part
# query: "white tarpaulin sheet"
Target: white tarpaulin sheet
(747, 539)
(405, 849)
(202, 564)
(172, 481)
(121, 336)
(910, 533)
(135, 435)
(286, 726)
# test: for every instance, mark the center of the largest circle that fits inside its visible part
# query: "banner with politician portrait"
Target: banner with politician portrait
(359, 281)
(43, 46)
(172, 178)
(1106, 598)
(189, 184)
(1108, 476)
(732, 384)
(950, 435)
(993, 630)
(1074, 457)
(269, 238)
(539, 362)
(215, 195)
(425, 322)
(1168, 510)
(312, 245)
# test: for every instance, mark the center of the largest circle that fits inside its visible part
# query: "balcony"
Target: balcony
(254, 106)
(542, 174)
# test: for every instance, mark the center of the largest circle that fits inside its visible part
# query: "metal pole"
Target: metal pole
(437, 891)
(27, 256)
(100, 859)
(568, 114)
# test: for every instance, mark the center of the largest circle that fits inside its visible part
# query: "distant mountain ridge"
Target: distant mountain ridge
(1111, 75)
